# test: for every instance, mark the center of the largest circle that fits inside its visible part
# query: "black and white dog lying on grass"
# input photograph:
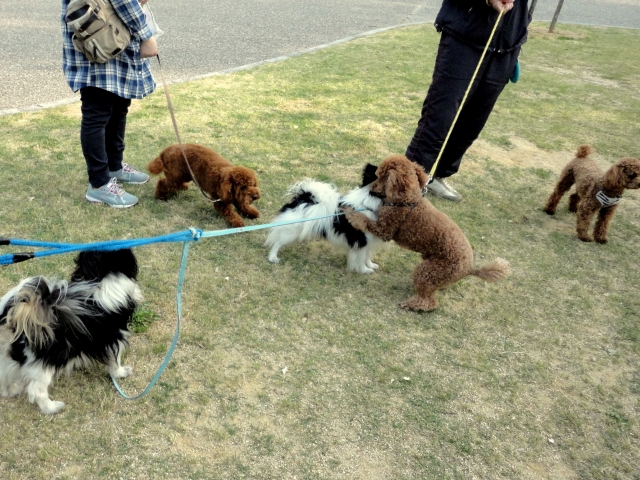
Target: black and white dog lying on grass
(49, 327)
(311, 198)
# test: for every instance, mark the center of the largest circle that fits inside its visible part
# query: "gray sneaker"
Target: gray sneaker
(112, 194)
(128, 174)
(441, 188)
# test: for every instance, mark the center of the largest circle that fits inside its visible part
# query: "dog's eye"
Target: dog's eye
(632, 175)
(244, 187)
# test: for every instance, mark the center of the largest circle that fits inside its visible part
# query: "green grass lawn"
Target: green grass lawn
(302, 370)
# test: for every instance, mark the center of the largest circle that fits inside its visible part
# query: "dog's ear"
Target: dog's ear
(226, 185)
(55, 295)
(368, 174)
(632, 169)
(423, 178)
(395, 186)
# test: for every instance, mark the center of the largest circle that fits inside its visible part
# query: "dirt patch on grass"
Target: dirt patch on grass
(541, 31)
(581, 76)
(525, 154)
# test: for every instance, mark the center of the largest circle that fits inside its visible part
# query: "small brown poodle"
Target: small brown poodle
(415, 224)
(595, 191)
(225, 183)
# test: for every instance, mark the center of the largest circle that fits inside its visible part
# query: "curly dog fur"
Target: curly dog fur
(413, 223)
(232, 185)
(589, 180)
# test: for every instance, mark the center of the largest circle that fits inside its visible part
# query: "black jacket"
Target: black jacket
(471, 21)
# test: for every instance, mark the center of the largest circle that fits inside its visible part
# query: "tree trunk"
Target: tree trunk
(555, 16)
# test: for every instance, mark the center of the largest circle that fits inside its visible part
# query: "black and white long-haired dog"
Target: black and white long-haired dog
(49, 327)
(310, 198)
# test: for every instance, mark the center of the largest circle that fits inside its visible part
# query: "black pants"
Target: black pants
(104, 120)
(455, 64)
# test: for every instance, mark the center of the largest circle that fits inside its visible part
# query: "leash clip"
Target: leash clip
(196, 233)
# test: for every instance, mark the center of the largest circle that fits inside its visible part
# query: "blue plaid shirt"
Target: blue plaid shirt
(127, 75)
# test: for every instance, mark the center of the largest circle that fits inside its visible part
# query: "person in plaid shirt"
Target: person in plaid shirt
(106, 91)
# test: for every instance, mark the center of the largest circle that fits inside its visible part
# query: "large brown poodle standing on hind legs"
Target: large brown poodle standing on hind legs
(226, 184)
(595, 191)
(413, 223)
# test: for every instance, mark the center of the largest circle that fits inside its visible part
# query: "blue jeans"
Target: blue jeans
(104, 120)
(455, 64)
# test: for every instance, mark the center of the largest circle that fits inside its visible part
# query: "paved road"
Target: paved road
(205, 36)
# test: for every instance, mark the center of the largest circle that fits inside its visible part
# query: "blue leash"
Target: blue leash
(59, 248)
(183, 236)
(176, 335)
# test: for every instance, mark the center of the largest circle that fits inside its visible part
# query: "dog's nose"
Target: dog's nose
(256, 196)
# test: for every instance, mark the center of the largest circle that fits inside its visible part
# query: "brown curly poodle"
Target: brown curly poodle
(415, 224)
(591, 184)
(224, 182)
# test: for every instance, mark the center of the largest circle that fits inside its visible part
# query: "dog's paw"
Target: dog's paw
(122, 372)
(419, 304)
(274, 259)
(357, 221)
(236, 224)
(360, 268)
(585, 238)
(601, 241)
(51, 407)
(372, 265)
(14, 390)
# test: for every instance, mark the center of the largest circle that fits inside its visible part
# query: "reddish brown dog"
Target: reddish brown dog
(590, 180)
(413, 223)
(230, 185)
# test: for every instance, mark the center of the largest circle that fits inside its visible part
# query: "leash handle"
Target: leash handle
(175, 129)
(464, 99)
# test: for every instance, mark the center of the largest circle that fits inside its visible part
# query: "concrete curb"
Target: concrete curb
(68, 101)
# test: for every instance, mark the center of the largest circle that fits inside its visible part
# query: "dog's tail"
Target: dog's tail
(156, 165)
(495, 271)
(583, 151)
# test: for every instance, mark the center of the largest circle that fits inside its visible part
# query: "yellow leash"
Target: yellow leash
(435, 165)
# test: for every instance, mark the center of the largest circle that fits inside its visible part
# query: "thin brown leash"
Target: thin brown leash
(175, 128)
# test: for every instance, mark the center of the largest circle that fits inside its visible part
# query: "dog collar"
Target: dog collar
(606, 201)
(389, 204)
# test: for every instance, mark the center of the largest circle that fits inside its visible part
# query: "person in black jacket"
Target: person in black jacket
(466, 26)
